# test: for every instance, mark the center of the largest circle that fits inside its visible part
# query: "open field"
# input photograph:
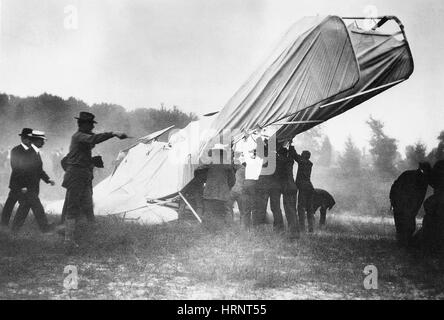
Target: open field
(183, 260)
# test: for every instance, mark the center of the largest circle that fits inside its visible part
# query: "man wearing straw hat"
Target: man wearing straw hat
(220, 180)
(79, 165)
(32, 173)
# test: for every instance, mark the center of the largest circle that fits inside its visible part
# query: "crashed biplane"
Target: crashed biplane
(323, 67)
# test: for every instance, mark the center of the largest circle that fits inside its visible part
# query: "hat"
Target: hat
(37, 134)
(306, 154)
(86, 117)
(26, 132)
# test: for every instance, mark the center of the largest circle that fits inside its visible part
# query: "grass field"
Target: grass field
(183, 260)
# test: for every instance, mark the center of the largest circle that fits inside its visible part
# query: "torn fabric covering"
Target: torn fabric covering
(151, 171)
(313, 62)
(383, 61)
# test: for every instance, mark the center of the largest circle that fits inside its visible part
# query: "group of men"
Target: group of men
(215, 188)
(24, 184)
(78, 164)
(55, 157)
(219, 185)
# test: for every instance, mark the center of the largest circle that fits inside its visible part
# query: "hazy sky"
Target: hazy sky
(196, 53)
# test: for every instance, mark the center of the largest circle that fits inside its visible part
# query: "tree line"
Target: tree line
(360, 179)
(383, 156)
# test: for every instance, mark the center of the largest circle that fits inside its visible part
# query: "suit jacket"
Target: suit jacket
(284, 172)
(409, 190)
(303, 176)
(81, 147)
(27, 169)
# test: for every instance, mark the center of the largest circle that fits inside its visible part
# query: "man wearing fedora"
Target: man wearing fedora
(17, 181)
(24, 184)
(79, 165)
(34, 173)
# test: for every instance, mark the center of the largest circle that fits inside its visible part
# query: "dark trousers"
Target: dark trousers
(262, 196)
(30, 201)
(305, 205)
(13, 198)
(249, 191)
(289, 199)
(432, 239)
(78, 201)
(323, 216)
(405, 224)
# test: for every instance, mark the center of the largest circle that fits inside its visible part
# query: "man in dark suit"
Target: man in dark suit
(32, 173)
(284, 173)
(17, 181)
(305, 188)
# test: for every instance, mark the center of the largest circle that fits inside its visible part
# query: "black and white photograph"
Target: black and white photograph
(221, 150)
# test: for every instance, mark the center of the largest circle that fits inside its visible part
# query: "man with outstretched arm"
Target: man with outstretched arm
(79, 165)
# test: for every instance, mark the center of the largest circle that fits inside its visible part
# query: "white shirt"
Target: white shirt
(37, 150)
(25, 146)
(253, 168)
